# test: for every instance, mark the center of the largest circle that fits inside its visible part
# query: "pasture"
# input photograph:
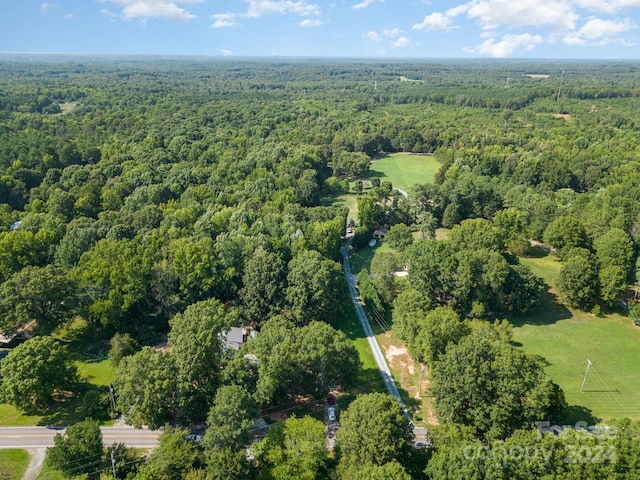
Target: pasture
(404, 170)
(566, 338)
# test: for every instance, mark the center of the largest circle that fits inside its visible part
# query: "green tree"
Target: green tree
(230, 419)
(294, 449)
(475, 234)
(578, 281)
(409, 308)
(399, 237)
(325, 357)
(79, 450)
(195, 265)
(370, 213)
(368, 291)
(146, 388)
(115, 276)
(122, 345)
(492, 386)
(315, 288)
(374, 430)
(612, 281)
(44, 294)
(228, 464)
(351, 164)
(264, 280)
(522, 289)
(615, 247)
(371, 471)
(566, 232)
(34, 371)
(436, 331)
(173, 458)
(480, 281)
(197, 349)
(432, 265)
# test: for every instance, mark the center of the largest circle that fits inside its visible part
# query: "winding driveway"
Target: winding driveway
(381, 361)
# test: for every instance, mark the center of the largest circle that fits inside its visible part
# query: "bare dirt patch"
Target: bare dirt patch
(566, 116)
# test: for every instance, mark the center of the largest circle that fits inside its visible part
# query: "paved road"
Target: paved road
(40, 437)
(381, 361)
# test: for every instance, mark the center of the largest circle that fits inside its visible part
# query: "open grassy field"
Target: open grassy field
(404, 170)
(565, 339)
(13, 463)
(95, 373)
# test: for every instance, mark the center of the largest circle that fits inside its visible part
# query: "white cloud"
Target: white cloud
(391, 32)
(226, 53)
(311, 23)
(491, 14)
(607, 6)
(436, 22)
(47, 6)
(145, 9)
(68, 16)
(258, 8)
(374, 37)
(224, 20)
(107, 13)
(365, 4)
(598, 32)
(402, 42)
(509, 44)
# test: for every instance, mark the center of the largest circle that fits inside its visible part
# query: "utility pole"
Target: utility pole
(420, 383)
(112, 401)
(584, 380)
(113, 463)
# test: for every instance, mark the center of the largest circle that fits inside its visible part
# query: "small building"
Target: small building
(380, 233)
(235, 337)
(10, 340)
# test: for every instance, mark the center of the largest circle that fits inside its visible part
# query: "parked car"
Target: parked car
(331, 400)
(331, 414)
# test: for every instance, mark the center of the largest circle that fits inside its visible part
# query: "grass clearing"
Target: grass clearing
(370, 379)
(362, 258)
(95, 374)
(349, 200)
(48, 473)
(566, 338)
(13, 463)
(404, 170)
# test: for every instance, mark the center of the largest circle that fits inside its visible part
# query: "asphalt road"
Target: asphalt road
(40, 437)
(381, 361)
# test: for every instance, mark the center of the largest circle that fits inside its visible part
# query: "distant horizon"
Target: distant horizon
(228, 58)
(381, 29)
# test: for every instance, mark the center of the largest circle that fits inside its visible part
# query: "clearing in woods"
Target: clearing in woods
(404, 170)
(566, 338)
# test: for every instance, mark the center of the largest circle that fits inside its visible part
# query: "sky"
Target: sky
(567, 29)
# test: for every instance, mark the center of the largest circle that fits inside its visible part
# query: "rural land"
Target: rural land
(318, 269)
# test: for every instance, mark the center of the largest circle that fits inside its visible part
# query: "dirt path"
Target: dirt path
(35, 464)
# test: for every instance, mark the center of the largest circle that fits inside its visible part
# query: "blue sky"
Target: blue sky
(608, 29)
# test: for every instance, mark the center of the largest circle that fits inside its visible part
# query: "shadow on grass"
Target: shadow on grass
(548, 312)
(535, 251)
(573, 414)
(78, 407)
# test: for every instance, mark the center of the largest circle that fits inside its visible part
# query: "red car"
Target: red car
(331, 400)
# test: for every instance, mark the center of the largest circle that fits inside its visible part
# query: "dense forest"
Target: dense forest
(160, 202)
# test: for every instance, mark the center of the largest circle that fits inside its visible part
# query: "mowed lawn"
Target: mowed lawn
(565, 339)
(13, 463)
(404, 170)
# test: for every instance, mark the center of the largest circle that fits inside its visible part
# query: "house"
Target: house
(235, 337)
(380, 233)
(10, 340)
